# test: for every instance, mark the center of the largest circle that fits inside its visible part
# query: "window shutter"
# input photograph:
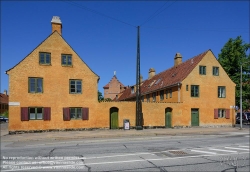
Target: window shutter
(85, 113)
(46, 113)
(24, 114)
(66, 114)
(215, 113)
(227, 113)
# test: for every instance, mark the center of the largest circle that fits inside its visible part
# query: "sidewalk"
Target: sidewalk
(102, 133)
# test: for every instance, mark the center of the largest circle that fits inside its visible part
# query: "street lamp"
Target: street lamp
(241, 96)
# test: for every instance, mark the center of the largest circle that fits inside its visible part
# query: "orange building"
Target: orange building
(4, 101)
(52, 88)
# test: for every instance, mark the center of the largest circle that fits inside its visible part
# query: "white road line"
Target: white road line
(110, 140)
(115, 162)
(222, 150)
(204, 152)
(244, 146)
(236, 148)
(247, 136)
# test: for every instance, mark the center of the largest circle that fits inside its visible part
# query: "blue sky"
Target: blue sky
(104, 36)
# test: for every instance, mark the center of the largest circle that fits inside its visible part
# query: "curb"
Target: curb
(113, 135)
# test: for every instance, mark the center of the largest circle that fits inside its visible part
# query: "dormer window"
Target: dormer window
(66, 59)
(157, 81)
(44, 58)
(132, 90)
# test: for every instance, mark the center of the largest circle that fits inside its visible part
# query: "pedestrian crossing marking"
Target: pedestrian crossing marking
(236, 148)
(244, 146)
(204, 152)
(223, 150)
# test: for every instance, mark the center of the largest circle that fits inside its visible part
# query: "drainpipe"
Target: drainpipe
(179, 95)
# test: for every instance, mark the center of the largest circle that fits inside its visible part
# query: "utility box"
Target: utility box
(126, 124)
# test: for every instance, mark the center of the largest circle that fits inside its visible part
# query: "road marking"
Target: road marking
(236, 148)
(247, 136)
(116, 162)
(244, 146)
(204, 152)
(222, 150)
(107, 140)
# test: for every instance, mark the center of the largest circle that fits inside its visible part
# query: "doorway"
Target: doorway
(194, 117)
(168, 117)
(114, 118)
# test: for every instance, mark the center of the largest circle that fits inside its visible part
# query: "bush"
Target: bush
(5, 114)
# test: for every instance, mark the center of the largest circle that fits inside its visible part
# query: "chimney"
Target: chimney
(177, 59)
(56, 24)
(5, 92)
(141, 78)
(151, 73)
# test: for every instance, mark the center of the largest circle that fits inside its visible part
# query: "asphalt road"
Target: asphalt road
(224, 152)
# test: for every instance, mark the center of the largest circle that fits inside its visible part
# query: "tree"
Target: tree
(100, 97)
(232, 56)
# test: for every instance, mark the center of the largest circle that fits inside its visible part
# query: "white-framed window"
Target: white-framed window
(221, 91)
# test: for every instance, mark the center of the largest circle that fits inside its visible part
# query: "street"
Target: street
(222, 152)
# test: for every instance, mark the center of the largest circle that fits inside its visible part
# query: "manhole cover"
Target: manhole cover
(178, 152)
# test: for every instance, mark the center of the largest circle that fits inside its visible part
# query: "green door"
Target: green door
(113, 118)
(168, 114)
(194, 117)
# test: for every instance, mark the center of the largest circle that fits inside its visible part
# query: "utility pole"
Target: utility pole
(139, 115)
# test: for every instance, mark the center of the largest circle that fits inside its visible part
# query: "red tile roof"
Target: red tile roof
(167, 78)
(4, 98)
(114, 77)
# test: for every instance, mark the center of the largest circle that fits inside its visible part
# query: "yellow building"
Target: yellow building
(52, 88)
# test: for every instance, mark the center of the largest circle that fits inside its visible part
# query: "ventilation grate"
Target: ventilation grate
(178, 152)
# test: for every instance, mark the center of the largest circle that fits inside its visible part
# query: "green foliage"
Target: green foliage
(100, 97)
(232, 56)
(5, 114)
(108, 99)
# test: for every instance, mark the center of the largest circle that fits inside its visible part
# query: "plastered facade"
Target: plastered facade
(56, 94)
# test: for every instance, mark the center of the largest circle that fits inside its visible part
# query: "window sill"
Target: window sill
(67, 65)
(45, 64)
(35, 119)
(35, 93)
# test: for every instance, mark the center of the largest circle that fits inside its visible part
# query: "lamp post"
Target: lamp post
(241, 95)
